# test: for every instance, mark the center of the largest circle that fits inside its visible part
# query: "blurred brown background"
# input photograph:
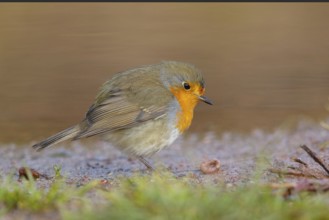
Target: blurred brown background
(264, 63)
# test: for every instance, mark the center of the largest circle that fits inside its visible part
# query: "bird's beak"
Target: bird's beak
(205, 99)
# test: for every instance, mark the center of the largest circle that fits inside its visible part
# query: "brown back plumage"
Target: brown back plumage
(128, 99)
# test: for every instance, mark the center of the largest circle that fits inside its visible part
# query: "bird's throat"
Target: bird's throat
(187, 104)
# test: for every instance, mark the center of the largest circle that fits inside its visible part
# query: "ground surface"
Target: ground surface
(244, 158)
(238, 154)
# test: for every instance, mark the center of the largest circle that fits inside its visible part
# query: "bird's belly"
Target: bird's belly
(145, 139)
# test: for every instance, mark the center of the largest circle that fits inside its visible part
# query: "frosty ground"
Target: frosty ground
(240, 155)
(93, 180)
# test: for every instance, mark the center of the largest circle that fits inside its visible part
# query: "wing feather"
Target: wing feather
(117, 112)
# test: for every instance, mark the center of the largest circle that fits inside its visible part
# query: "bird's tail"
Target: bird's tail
(67, 134)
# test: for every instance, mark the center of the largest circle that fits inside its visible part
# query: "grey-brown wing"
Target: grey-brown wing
(117, 112)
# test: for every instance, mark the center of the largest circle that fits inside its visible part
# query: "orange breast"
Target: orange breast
(187, 102)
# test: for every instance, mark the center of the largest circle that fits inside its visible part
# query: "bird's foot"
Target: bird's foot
(146, 163)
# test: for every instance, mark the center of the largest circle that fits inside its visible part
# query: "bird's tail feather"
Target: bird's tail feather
(64, 135)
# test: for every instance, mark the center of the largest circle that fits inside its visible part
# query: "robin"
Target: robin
(141, 110)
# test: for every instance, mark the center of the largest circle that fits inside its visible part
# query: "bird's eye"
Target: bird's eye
(186, 86)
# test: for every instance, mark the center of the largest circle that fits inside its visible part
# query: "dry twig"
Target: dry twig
(315, 157)
(297, 160)
(289, 173)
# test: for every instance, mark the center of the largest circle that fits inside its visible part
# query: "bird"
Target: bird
(141, 110)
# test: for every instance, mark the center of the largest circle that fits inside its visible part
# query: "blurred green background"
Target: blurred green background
(264, 63)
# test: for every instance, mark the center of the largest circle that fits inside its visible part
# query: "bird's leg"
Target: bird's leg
(145, 162)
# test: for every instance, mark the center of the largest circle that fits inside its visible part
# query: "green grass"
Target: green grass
(27, 195)
(158, 196)
(164, 197)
